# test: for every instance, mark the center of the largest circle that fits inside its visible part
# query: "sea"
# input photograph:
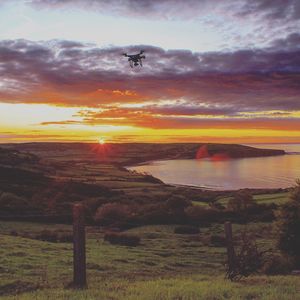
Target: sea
(231, 174)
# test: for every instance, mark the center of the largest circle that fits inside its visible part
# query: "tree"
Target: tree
(242, 200)
(288, 223)
(178, 203)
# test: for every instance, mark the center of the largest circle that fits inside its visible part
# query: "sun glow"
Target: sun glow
(101, 141)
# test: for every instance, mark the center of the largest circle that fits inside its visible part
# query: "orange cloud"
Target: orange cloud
(175, 90)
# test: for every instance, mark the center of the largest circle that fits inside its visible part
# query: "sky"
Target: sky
(215, 71)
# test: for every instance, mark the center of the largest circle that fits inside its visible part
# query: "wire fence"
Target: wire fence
(78, 239)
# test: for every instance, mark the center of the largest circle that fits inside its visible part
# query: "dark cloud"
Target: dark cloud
(290, 43)
(169, 9)
(272, 9)
(78, 74)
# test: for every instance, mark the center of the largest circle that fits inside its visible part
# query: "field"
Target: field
(47, 178)
(40, 182)
(278, 198)
(165, 266)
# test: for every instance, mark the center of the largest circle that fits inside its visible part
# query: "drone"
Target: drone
(135, 59)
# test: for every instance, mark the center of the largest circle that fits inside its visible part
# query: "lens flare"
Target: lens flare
(101, 141)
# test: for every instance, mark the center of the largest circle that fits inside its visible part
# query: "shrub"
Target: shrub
(201, 215)
(92, 204)
(288, 223)
(54, 236)
(242, 200)
(12, 203)
(218, 240)
(13, 233)
(186, 230)
(118, 238)
(154, 214)
(65, 237)
(47, 235)
(112, 214)
(276, 265)
(216, 205)
(178, 203)
(263, 212)
(248, 259)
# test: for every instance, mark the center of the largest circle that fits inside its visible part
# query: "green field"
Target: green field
(164, 266)
(278, 198)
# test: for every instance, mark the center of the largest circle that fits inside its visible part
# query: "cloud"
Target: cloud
(148, 119)
(170, 9)
(194, 84)
(230, 23)
(275, 9)
(290, 43)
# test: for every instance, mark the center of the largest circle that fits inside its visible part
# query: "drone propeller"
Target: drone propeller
(142, 51)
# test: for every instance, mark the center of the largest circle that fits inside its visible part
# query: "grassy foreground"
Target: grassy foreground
(164, 266)
(184, 288)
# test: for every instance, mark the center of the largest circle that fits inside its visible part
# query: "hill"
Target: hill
(132, 153)
(47, 178)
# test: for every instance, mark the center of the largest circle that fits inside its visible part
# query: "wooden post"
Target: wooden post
(79, 262)
(230, 248)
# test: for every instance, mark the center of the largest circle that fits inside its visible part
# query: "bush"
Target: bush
(241, 201)
(47, 236)
(12, 203)
(288, 223)
(115, 214)
(92, 204)
(178, 203)
(218, 240)
(118, 238)
(186, 230)
(65, 237)
(155, 214)
(248, 259)
(201, 215)
(216, 205)
(54, 236)
(276, 265)
(13, 233)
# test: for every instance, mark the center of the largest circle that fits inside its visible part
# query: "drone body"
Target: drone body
(135, 59)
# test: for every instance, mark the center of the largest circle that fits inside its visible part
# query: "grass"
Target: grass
(200, 203)
(277, 198)
(185, 288)
(165, 266)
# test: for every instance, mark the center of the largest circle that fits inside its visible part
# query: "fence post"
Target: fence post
(79, 260)
(230, 248)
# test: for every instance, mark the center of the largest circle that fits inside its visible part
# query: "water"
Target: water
(261, 172)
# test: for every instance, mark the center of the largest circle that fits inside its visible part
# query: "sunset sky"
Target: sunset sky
(215, 71)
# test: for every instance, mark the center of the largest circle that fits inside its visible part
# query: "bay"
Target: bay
(259, 172)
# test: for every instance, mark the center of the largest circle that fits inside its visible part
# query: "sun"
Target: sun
(101, 141)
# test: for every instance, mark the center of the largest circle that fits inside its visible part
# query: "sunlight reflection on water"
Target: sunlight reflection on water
(262, 172)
